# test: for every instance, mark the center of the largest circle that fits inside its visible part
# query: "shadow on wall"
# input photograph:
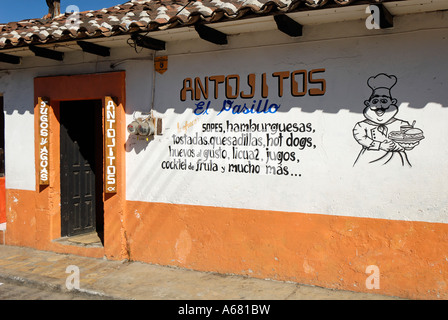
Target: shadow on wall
(137, 144)
(328, 89)
(327, 76)
(17, 92)
(307, 91)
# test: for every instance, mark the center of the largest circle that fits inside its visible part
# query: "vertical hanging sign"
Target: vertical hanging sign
(110, 144)
(44, 141)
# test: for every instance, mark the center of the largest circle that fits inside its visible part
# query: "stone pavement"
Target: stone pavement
(141, 281)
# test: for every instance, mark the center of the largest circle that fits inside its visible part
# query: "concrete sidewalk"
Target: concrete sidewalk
(141, 281)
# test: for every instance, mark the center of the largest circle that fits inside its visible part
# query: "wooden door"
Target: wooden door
(80, 166)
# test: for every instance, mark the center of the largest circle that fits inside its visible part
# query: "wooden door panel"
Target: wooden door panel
(78, 162)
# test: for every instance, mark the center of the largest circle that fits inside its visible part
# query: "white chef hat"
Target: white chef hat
(381, 84)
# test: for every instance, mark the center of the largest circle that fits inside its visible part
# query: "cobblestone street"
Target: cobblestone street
(29, 274)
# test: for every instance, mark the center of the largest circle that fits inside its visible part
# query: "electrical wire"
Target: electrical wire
(133, 42)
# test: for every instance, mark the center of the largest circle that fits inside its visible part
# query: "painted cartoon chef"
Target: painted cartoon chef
(372, 133)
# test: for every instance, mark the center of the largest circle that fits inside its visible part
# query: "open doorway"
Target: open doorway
(81, 167)
(2, 170)
(2, 138)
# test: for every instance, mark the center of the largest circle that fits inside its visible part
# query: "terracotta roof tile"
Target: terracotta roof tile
(148, 15)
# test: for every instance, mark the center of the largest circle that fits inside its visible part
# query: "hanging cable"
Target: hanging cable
(133, 43)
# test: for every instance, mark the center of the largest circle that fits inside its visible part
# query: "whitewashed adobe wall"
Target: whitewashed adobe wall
(322, 178)
(316, 173)
(18, 90)
(17, 87)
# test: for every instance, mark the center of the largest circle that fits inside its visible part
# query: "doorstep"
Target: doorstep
(91, 240)
(2, 233)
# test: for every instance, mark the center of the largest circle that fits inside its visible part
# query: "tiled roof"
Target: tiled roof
(150, 15)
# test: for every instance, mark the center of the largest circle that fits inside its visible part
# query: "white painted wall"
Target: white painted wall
(329, 184)
(414, 50)
(17, 86)
(19, 130)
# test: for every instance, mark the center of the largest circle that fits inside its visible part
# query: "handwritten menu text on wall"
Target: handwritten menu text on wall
(250, 144)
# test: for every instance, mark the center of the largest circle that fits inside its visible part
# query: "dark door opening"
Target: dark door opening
(81, 143)
(2, 165)
(2, 139)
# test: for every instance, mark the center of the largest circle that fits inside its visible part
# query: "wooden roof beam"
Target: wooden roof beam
(287, 25)
(7, 58)
(210, 35)
(94, 48)
(147, 42)
(47, 53)
(380, 12)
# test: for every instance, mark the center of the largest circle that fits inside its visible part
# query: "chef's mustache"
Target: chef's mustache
(379, 108)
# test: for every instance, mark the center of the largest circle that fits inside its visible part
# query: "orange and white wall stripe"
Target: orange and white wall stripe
(254, 172)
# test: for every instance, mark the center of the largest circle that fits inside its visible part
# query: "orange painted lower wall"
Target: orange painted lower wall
(30, 224)
(322, 250)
